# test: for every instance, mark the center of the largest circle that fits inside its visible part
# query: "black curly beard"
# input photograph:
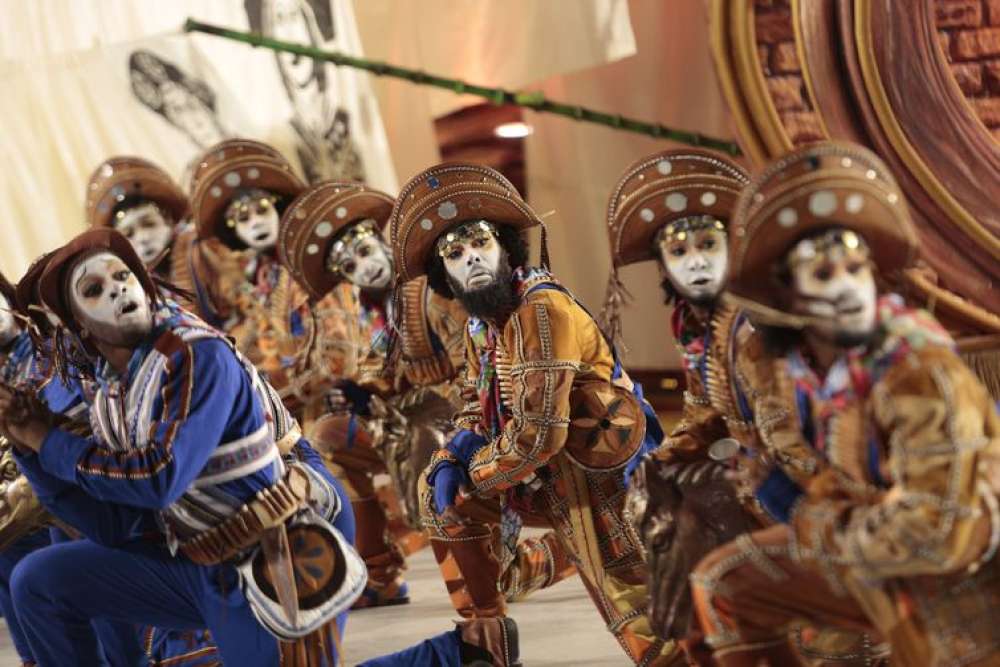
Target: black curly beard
(495, 301)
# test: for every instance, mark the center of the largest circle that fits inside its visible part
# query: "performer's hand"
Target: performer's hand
(23, 421)
(449, 485)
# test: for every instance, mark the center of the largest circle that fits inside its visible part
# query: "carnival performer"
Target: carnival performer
(674, 207)
(140, 200)
(189, 444)
(403, 398)
(240, 189)
(898, 526)
(550, 422)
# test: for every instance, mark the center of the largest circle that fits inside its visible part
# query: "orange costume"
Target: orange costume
(557, 418)
(899, 527)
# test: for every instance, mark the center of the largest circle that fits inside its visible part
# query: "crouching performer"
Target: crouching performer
(203, 506)
(899, 527)
(550, 423)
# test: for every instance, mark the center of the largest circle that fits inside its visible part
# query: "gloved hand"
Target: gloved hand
(447, 480)
(465, 444)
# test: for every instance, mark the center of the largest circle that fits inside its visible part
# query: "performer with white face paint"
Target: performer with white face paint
(190, 443)
(140, 200)
(240, 188)
(882, 534)
(550, 421)
(675, 207)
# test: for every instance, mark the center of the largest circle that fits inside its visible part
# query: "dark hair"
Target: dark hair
(511, 240)
(130, 202)
(227, 234)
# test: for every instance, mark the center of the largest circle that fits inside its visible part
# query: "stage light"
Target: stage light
(516, 130)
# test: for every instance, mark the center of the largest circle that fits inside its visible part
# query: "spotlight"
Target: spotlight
(516, 130)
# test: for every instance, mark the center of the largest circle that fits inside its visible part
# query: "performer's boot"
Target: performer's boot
(382, 557)
(489, 642)
(540, 562)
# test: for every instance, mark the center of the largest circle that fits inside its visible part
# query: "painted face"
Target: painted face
(362, 257)
(108, 301)
(471, 254)
(696, 262)
(147, 229)
(8, 323)
(832, 278)
(255, 220)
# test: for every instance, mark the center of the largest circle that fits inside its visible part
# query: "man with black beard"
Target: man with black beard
(899, 525)
(550, 422)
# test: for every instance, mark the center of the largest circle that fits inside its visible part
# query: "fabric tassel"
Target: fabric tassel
(543, 257)
(615, 300)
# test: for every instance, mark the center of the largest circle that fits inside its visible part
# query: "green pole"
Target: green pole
(531, 100)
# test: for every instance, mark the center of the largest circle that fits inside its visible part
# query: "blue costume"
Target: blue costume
(25, 369)
(183, 440)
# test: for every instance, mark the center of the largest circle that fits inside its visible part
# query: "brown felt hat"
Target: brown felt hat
(52, 283)
(231, 166)
(827, 184)
(124, 176)
(312, 222)
(27, 291)
(443, 197)
(664, 187)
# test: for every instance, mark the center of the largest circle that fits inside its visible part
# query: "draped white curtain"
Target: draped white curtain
(87, 79)
(71, 99)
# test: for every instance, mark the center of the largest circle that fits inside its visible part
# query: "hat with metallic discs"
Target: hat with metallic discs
(665, 187)
(312, 223)
(659, 190)
(443, 197)
(230, 167)
(125, 176)
(822, 185)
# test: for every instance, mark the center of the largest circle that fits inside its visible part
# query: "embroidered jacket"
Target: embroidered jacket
(183, 436)
(521, 378)
(432, 338)
(908, 505)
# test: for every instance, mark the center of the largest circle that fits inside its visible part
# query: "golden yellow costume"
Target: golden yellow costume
(898, 527)
(557, 416)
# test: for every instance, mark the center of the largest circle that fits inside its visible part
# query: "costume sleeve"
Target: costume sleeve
(766, 385)
(106, 523)
(202, 385)
(699, 426)
(545, 355)
(940, 428)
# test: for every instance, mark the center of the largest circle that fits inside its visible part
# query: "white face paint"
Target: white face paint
(148, 231)
(255, 221)
(366, 263)
(8, 323)
(471, 255)
(696, 263)
(108, 301)
(837, 286)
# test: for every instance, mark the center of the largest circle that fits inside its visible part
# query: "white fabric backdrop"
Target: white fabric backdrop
(92, 78)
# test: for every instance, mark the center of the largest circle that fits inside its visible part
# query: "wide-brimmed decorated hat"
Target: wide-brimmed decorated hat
(827, 184)
(8, 291)
(664, 187)
(234, 165)
(314, 219)
(125, 176)
(654, 192)
(443, 197)
(55, 275)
